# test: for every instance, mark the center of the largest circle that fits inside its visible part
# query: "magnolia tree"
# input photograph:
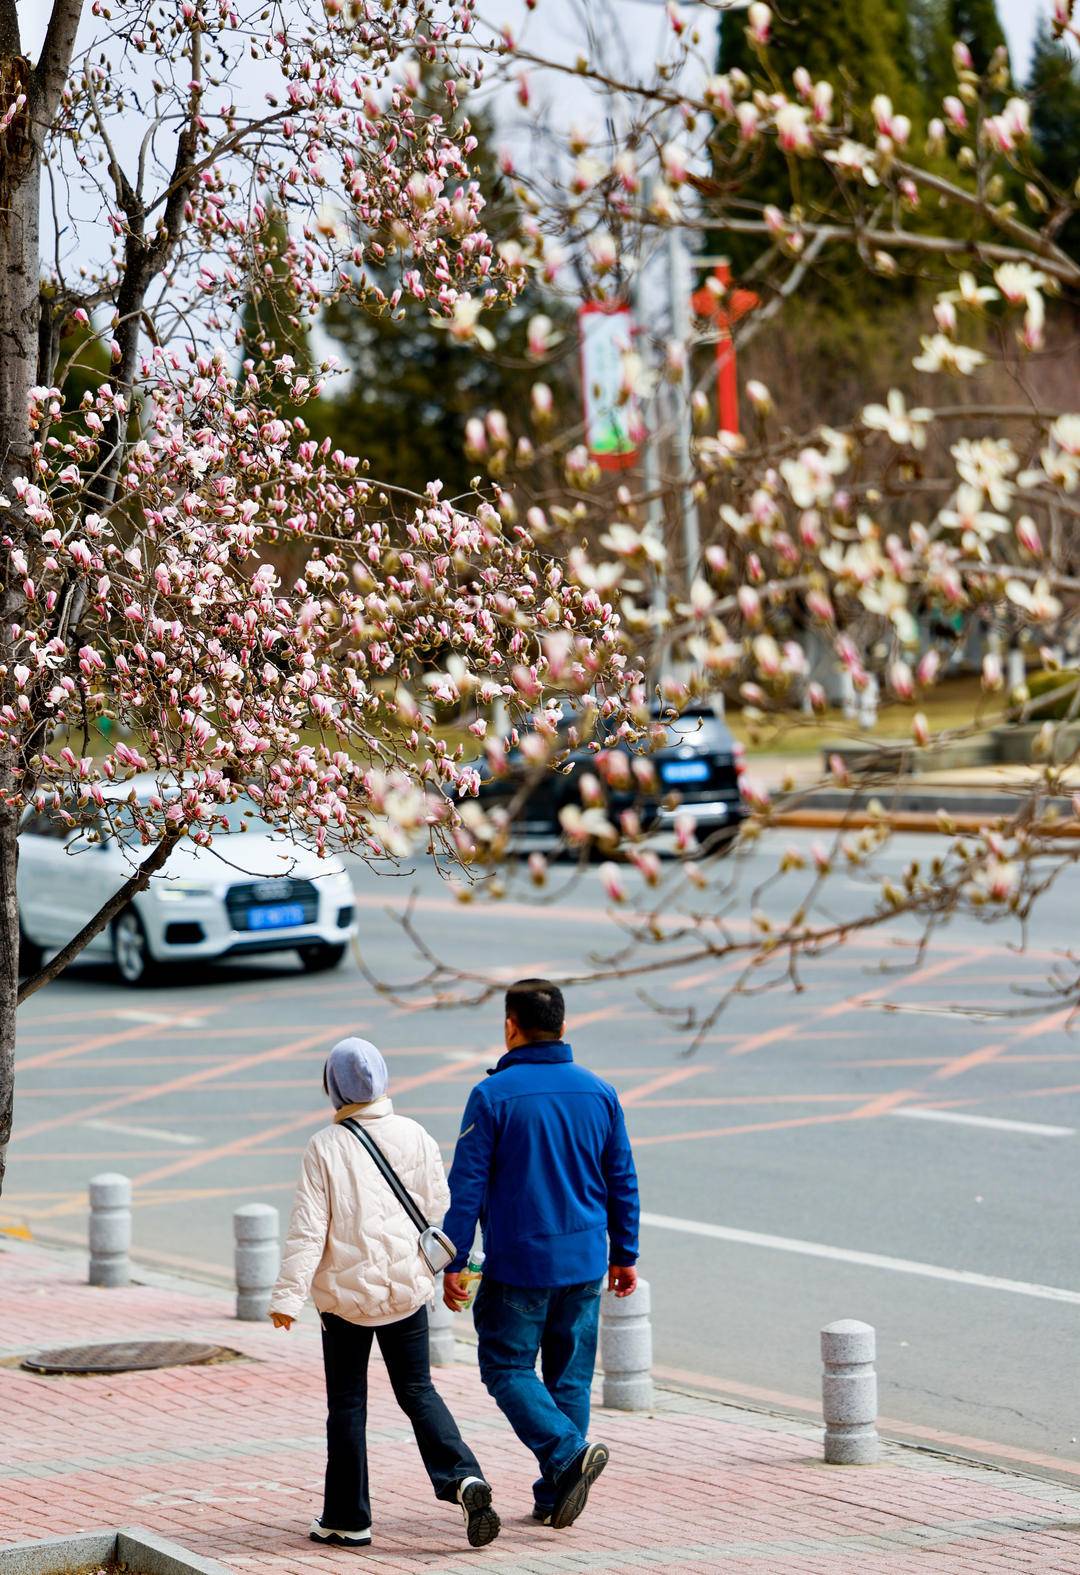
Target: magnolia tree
(251, 612)
(962, 505)
(245, 609)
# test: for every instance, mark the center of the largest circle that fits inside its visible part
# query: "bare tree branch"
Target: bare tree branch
(104, 916)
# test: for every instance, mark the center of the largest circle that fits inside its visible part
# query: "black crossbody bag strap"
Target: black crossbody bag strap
(389, 1174)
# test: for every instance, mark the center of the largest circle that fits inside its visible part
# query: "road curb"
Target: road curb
(943, 821)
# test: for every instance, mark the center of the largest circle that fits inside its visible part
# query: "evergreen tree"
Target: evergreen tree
(270, 327)
(932, 39)
(976, 24)
(862, 46)
(1054, 86)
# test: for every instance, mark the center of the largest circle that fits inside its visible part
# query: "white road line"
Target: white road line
(998, 1123)
(868, 1260)
(974, 1014)
(184, 1138)
(165, 1019)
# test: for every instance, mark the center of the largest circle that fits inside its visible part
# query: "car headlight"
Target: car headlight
(182, 891)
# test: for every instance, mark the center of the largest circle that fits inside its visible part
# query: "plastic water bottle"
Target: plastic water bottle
(474, 1270)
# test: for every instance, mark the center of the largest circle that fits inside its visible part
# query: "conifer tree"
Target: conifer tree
(976, 24)
(270, 327)
(1054, 85)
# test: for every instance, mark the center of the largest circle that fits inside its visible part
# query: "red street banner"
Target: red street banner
(612, 425)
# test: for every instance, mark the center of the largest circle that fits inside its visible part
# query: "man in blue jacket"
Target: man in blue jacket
(544, 1163)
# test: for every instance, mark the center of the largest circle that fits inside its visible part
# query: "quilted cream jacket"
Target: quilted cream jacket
(350, 1243)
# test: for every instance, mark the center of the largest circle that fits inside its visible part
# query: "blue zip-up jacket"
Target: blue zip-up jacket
(543, 1161)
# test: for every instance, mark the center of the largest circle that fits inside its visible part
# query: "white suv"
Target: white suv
(254, 891)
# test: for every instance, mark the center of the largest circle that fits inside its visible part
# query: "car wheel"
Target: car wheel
(31, 956)
(132, 956)
(320, 957)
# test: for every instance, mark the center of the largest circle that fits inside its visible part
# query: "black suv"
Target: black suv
(695, 769)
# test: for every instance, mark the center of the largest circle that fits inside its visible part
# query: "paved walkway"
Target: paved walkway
(227, 1460)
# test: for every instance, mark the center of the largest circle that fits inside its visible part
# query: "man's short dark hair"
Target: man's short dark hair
(538, 1008)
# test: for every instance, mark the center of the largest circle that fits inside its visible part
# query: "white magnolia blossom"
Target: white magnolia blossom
(1036, 599)
(854, 159)
(1018, 282)
(940, 354)
(987, 464)
(810, 478)
(969, 293)
(906, 428)
(625, 541)
(967, 515)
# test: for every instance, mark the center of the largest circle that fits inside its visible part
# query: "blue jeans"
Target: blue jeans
(515, 1324)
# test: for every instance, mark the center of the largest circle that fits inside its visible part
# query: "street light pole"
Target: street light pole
(679, 283)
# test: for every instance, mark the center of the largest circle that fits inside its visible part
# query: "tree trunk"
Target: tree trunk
(21, 146)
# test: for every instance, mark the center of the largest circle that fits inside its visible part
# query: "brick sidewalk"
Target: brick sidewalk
(227, 1460)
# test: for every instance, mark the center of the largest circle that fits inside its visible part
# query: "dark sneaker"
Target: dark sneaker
(481, 1522)
(338, 1539)
(572, 1487)
(542, 1513)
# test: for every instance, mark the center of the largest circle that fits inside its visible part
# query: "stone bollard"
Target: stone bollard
(626, 1350)
(849, 1393)
(440, 1329)
(258, 1258)
(110, 1229)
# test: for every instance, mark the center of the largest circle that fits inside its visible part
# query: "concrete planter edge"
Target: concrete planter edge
(143, 1551)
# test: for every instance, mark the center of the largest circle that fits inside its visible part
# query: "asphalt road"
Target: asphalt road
(855, 1150)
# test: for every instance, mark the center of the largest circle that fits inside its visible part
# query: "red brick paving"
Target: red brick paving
(227, 1460)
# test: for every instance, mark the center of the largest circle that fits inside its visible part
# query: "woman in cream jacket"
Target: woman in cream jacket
(353, 1247)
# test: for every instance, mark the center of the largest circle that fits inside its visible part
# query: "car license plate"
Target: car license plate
(684, 771)
(276, 917)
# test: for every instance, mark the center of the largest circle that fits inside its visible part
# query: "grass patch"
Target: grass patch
(954, 704)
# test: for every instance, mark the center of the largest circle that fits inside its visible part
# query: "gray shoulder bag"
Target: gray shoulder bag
(436, 1248)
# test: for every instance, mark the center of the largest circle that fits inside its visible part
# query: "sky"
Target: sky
(1018, 18)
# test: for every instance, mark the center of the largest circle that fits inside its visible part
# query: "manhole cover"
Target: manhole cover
(122, 1356)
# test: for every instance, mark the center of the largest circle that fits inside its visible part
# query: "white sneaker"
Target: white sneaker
(338, 1539)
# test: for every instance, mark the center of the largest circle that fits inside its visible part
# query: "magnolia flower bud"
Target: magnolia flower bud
(929, 664)
(759, 397)
(992, 676)
(543, 402)
(675, 361)
(612, 882)
(920, 729)
(819, 604)
(592, 794)
(1027, 535)
(749, 603)
(955, 113)
(476, 444)
(902, 681)
(759, 19)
